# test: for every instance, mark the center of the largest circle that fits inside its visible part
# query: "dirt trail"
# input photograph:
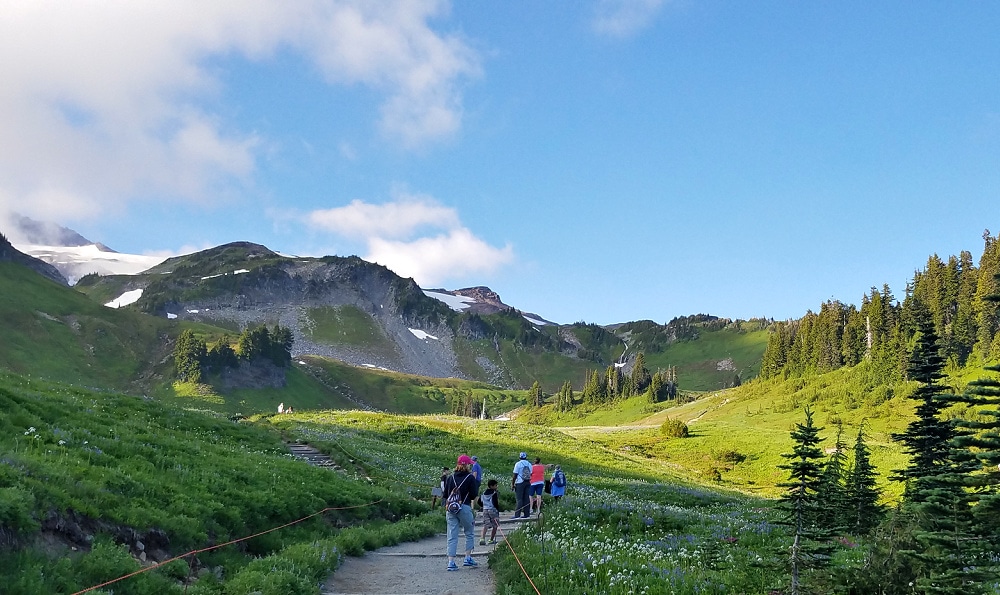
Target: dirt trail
(412, 568)
(417, 568)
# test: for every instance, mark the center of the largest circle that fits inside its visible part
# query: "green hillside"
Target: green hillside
(55, 332)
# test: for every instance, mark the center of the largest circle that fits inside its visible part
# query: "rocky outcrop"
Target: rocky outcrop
(414, 331)
(9, 253)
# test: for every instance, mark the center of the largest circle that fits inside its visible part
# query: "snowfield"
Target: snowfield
(422, 335)
(458, 303)
(76, 261)
(129, 297)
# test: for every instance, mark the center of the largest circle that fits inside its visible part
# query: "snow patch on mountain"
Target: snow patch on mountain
(422, 335)
(129, 297)
(458, 303)
(76, 261)
(537, 321)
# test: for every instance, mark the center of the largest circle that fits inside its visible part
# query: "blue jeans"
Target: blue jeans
(463, 518)
(523, 504)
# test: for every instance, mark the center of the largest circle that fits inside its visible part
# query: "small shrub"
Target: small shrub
(16, 505)
(674, 428)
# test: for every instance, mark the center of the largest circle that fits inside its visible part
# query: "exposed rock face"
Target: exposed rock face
(487, 300)
(9, 253)
(287, 291)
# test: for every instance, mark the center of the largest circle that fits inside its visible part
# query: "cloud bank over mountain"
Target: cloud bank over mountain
(107, 103)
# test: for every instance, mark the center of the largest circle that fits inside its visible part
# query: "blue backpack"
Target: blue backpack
(559, 480)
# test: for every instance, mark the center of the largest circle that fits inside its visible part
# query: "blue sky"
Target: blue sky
(601, 161)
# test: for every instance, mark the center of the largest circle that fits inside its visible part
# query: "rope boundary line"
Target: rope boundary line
(220, 545)
(517, 559)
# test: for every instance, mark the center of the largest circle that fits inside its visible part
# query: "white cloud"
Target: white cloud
(432, 260)
(623, 18)
(394, 220)
(414, 236)
(104, 102)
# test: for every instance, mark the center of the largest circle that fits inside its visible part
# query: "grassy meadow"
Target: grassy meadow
(59, 333)
(88, 474)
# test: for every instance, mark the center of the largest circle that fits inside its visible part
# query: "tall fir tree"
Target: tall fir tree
(927, 438)
(640, 375)
(832, 490)
(564, 399)
(936, 479)
(865, 513)
(189, 354)
(799, 502)
(536, 398)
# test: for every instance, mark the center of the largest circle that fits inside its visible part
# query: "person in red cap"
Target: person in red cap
(459, 492)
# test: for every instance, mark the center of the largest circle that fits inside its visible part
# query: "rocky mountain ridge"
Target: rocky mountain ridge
(8, 253)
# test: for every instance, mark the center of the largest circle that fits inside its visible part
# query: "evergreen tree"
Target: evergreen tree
(832, 491)
(189, 353)
(927, 438)
(936, 479)
(280, 349)
(988, 285)
(862, 495)
(254, 343)
(657, 388)
(612, 382)
(775, 355)
(800, 503)
(564, 399)
(640, 375)
(593, 389)
(535, 396)
(221, 355)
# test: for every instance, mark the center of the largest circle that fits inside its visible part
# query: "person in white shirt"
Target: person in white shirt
(520, 483)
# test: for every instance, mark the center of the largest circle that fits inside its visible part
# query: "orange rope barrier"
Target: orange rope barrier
(511, 548)
(215, 547)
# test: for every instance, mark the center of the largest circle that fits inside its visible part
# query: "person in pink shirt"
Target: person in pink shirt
(537, 485)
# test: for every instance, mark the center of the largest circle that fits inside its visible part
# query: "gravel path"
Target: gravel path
(417, 568)
(412, 568)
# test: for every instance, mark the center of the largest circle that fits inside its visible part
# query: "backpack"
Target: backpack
(559, 480)
(454, 502)
(526, 472)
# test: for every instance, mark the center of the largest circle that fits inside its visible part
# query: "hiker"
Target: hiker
(281, 407)
(558, 484)
(490, 504)
(460, 489)
(438, 490)
(289, 409)
(537, 485)
(520, 483)
(477, 470)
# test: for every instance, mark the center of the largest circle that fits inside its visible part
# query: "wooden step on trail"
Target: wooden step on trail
(312, 456)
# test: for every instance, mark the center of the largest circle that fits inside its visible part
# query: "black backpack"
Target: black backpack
(454, 502)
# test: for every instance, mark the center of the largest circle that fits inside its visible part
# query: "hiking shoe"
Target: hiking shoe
(468, 562)
(452, 566)
(482, 542)
(493, 542)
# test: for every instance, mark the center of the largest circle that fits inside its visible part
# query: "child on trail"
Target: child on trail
(491, 511)
(438, 490)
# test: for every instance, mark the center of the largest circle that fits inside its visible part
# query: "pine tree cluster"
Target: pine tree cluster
(954, 294)
(193, 357)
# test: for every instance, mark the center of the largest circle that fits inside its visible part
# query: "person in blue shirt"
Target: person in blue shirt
(477, 471)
